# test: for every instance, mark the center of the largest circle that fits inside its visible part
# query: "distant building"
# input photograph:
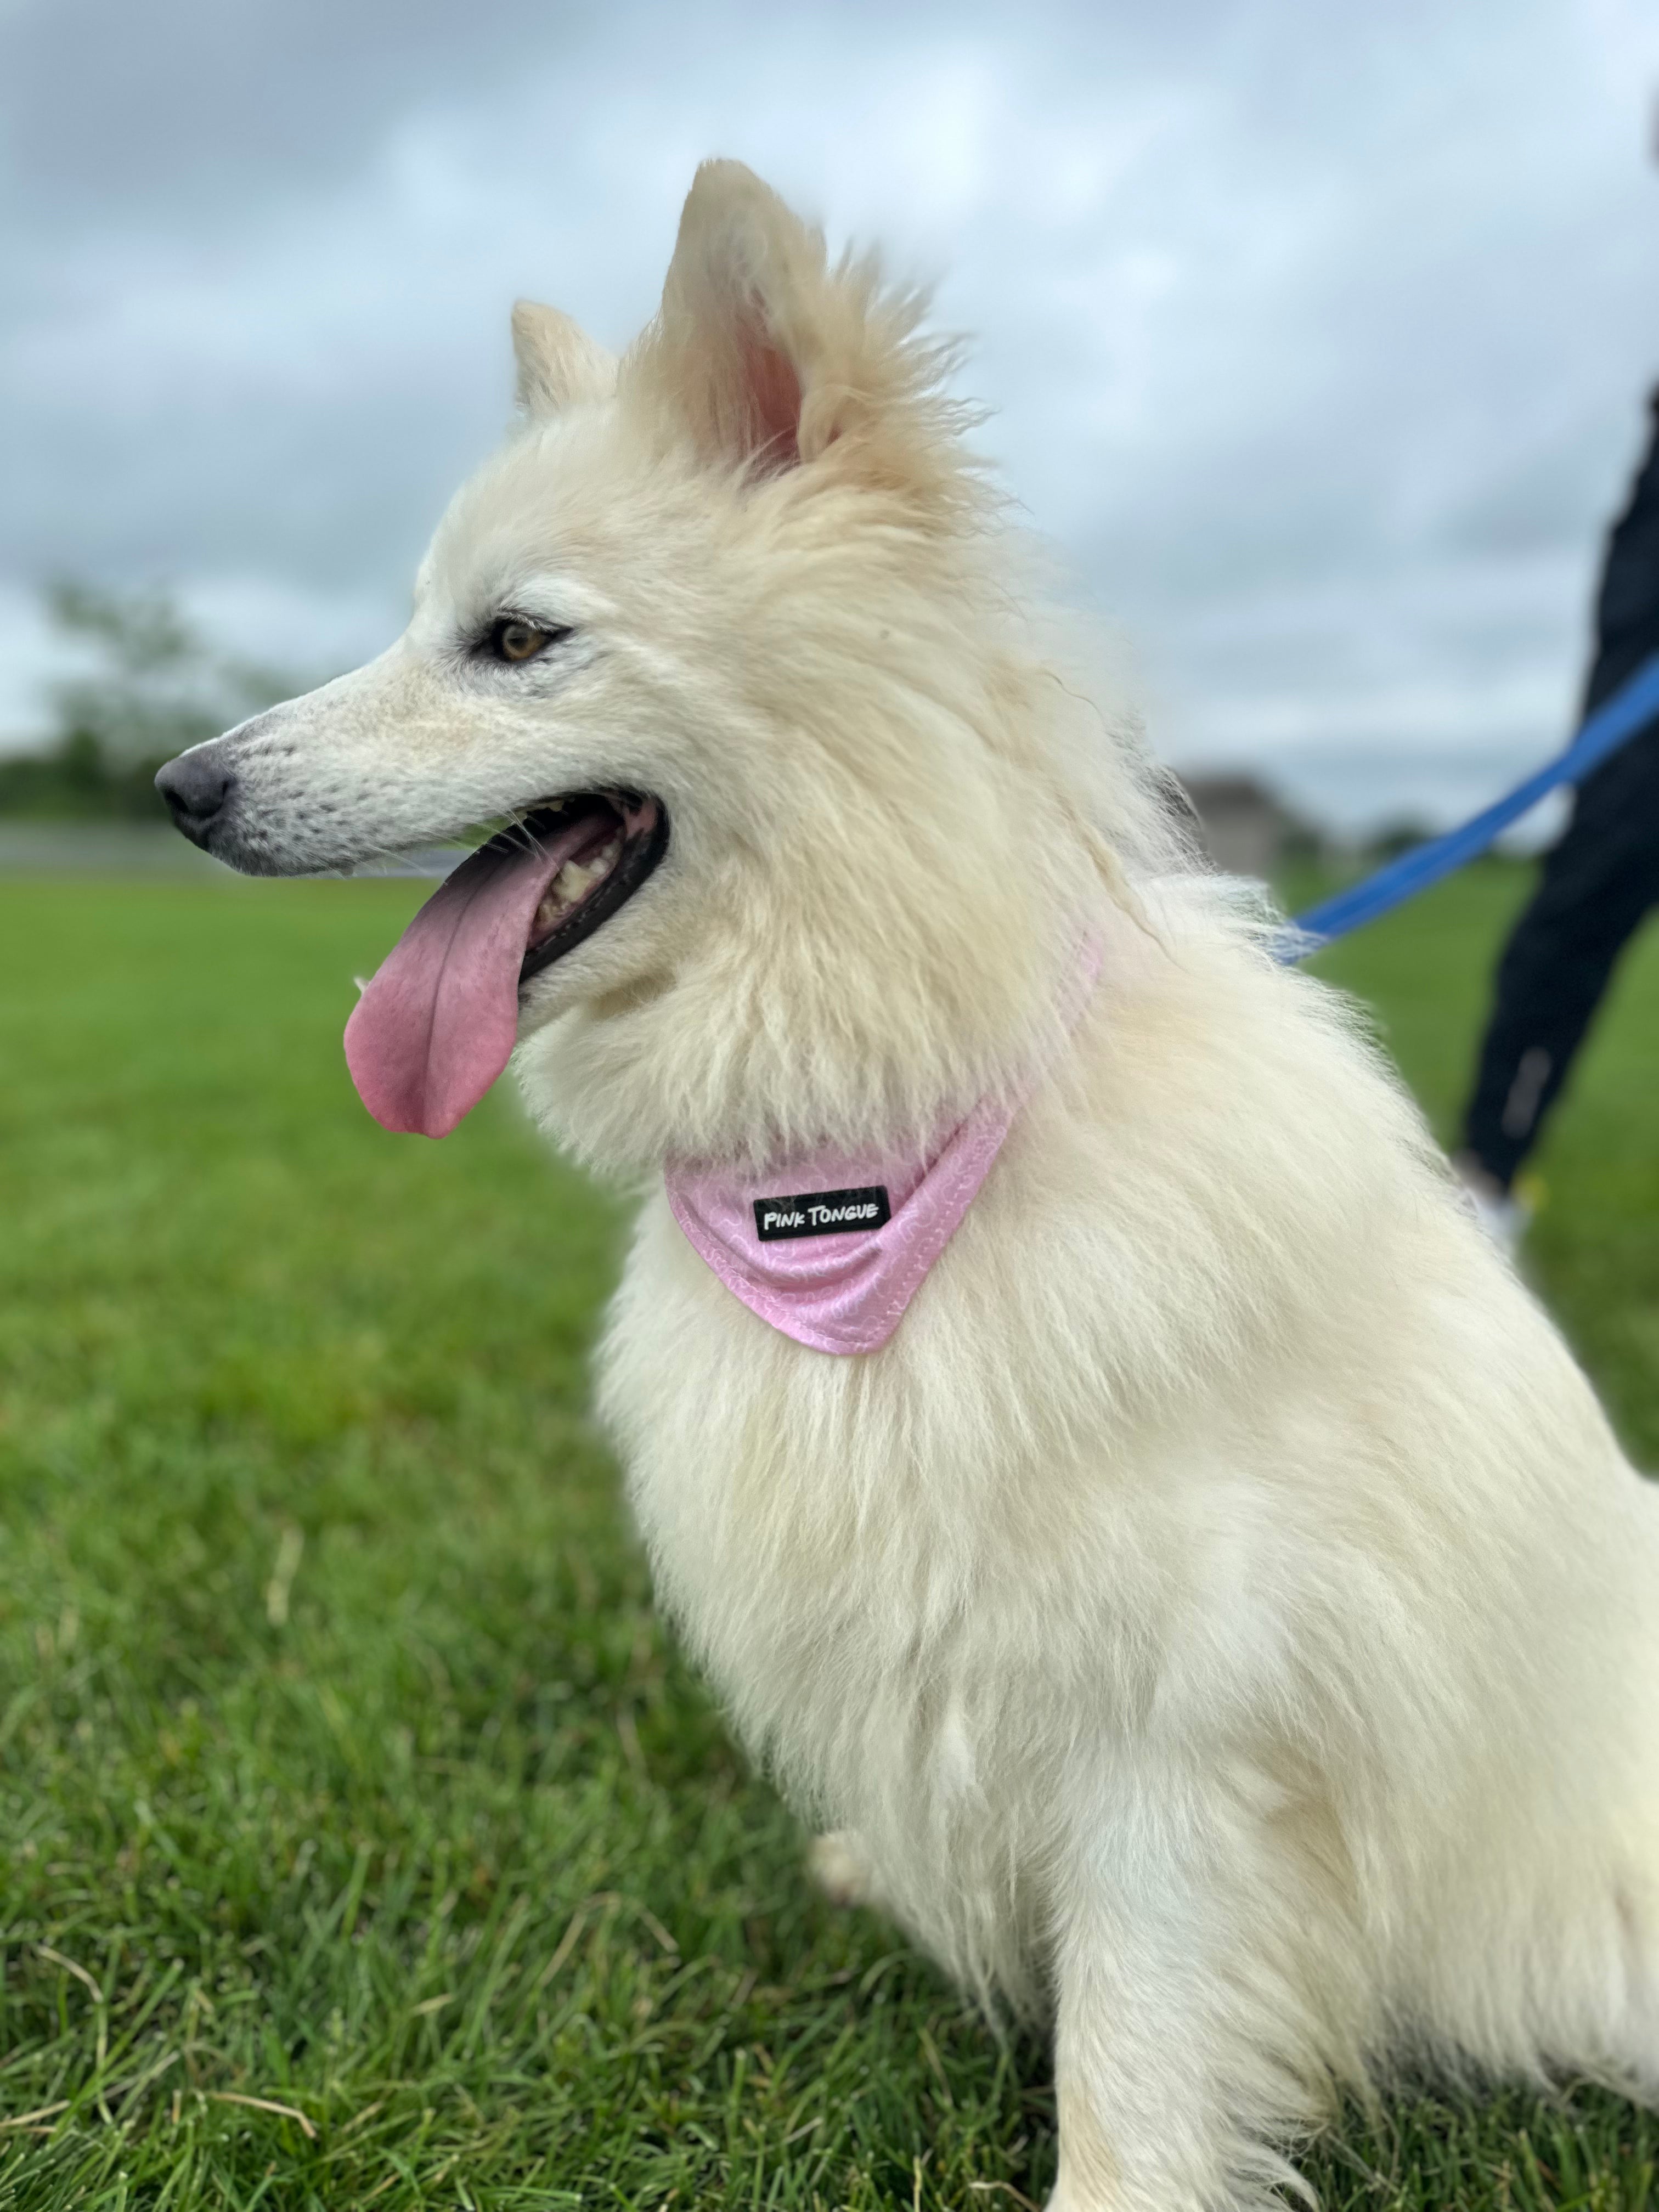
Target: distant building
(1245, 828)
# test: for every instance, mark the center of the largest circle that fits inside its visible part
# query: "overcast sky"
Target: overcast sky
(1317, 331)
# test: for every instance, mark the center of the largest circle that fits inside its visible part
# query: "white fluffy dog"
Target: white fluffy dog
(1148, 1524)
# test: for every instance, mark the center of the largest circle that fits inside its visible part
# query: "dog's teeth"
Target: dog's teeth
(572, 882)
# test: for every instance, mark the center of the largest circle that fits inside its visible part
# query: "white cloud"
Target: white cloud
(1316, 336)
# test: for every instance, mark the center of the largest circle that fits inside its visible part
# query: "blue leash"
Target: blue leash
(1630, 707)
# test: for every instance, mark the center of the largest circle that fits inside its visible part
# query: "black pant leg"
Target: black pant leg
(1597, 884)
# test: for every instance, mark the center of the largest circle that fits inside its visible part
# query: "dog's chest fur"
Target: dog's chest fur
(912, 1577)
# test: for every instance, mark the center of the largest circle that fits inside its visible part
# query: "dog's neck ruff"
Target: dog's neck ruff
(831, 1247)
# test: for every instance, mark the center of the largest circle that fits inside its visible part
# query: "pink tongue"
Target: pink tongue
(438, 1023)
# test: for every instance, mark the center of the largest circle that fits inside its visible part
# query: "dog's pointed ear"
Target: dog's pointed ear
(557, 363)
(737, 342)
(772, 359)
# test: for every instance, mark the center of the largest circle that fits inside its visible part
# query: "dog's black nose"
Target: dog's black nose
(196, 786)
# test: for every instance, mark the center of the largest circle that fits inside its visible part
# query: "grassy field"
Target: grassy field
(364, 1843)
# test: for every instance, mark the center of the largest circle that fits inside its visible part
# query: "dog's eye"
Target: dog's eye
(514, 639)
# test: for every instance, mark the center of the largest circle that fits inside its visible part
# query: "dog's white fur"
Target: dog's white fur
(1221, 1615)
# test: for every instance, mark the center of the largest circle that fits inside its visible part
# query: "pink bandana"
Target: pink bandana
(831, 1247)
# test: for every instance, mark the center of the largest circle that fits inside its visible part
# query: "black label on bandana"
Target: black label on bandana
(821, 1213)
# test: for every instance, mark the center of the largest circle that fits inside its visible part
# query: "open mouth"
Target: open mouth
(606, 844)
(437, 1023)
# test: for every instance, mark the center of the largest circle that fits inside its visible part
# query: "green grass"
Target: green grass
(343, 1766)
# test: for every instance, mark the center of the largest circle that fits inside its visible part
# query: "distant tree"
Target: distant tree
(152, 687)
(1396, 837)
